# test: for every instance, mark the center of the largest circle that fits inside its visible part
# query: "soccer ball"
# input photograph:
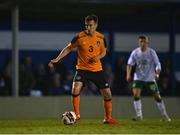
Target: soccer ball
(69, 118)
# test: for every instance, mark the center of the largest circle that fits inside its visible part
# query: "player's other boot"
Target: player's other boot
(166, 118)
(77, 117)
(110, 121)
(137, 118)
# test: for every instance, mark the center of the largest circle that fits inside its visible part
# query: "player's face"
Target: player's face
(143, 43)
(90, 27)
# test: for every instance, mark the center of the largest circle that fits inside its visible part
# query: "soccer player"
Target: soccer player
(147, 71)
(91, 49)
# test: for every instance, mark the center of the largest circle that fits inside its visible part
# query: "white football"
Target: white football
(69, 118)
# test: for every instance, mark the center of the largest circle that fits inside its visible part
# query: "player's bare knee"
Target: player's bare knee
(106, 93)
(157, 97)
(136, 95)
(75, 91)
(76, 88)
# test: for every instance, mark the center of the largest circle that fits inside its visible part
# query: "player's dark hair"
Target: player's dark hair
(143, 37)
(91, 17)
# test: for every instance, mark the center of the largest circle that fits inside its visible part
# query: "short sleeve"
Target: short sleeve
(156, 60)
(75, 38)
(74, 41)
(131, 60)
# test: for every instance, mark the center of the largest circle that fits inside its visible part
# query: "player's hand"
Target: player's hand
(52, 62)
(93, 60)
(157, 76)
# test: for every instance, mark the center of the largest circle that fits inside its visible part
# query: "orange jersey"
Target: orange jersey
(87, 48)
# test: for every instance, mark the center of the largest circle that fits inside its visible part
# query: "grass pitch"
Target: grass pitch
(89, 126)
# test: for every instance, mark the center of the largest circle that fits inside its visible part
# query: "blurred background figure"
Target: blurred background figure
(4, 90)
(27, 78)
(56, 88)
(120, 84)
(109, 73)
(164, 83)
(42, 79)
(7, 77)
(67, 82)
(90, 90)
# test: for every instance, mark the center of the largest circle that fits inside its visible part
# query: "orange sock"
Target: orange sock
(107, 109)
(75, 100)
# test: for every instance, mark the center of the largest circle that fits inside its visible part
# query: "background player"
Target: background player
(147, 71)
(91, 49)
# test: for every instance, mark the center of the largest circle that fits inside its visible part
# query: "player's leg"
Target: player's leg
(100, 81)
(107, 103)
(161, 106)
(153, 87)
(77, 85)
(137, 104)
(75, 97)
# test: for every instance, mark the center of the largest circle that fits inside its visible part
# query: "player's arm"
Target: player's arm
(128, 72)
(130, 64)
(61, 55)
(65, 51)
(157, 73)
(157, 65)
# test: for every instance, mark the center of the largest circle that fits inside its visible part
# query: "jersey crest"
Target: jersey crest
(98, 43)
